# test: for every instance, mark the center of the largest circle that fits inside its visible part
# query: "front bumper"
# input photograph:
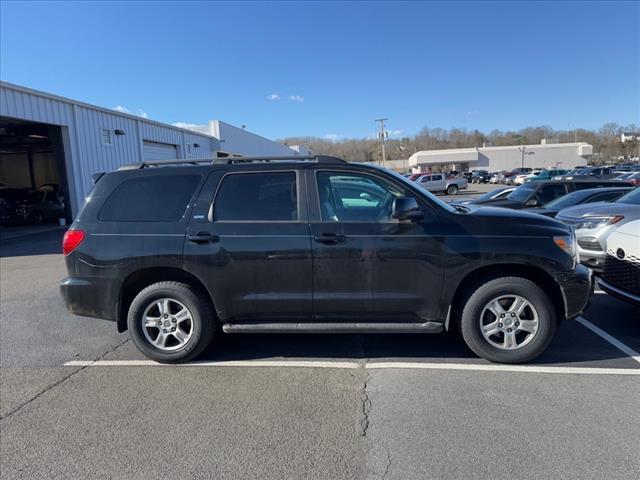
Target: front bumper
(90, 297)
(577, 289)
(618, 292)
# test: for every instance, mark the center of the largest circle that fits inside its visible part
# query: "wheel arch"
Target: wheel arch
(489, 272)
(140, 279)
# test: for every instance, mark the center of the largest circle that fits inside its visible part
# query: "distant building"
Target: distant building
(548, 155)
(629, 136)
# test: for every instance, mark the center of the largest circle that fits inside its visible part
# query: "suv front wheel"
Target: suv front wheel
(169, 323)
(508, 320)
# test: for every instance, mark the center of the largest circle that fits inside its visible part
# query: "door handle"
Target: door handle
(330, 238)
(203, 237)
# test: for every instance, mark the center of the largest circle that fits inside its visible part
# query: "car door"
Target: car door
(366, 265)
(437, 183)
(248, 240)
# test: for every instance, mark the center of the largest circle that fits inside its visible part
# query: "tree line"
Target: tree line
(606, 142)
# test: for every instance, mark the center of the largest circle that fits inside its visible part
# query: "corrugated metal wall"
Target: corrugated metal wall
(86, 152)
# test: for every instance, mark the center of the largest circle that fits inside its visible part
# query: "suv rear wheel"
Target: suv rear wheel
(508, 320)
(169, 323)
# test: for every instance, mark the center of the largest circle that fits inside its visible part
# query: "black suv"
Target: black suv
(313, 245)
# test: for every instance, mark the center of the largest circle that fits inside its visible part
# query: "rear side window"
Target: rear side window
(150, 199)
(261, 197)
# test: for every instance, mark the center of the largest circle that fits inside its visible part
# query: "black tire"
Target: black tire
(470, 319)
(202, 316)
(452, 189)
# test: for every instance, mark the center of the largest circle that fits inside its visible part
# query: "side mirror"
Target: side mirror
(406, 208)
(532, 202)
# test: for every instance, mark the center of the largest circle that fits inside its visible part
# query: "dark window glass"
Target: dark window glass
(257, 197)
(550, 192)
(150, 199)
(355, 198)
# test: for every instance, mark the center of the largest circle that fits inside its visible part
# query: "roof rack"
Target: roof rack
(232, 160)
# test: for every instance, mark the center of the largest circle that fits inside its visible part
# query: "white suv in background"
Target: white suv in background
(594, 222)
(621, 274)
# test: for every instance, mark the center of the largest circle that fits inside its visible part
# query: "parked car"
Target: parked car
(538, 194)
(441, 183)
(12, 201)
(631, 177)
(480, 176)
(593, 223)
(602, 173)
(497, 193)
(259, 246)
(497, 177)
(546, 175)
(621, 273)
(579, 197)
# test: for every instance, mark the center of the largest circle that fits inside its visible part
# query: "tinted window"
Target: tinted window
(355, 198)
(632, 198)
(550, 192)
(257, 197)
(522, 193)
(604, 197)
(436, 177)
(150, 199)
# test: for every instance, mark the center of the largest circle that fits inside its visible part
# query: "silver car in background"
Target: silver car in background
(594, 222)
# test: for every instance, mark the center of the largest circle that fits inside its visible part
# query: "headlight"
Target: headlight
(596, 222)
(566, 243)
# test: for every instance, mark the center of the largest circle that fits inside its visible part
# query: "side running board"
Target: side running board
(334, 327)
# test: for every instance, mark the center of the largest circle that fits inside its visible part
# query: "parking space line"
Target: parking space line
(503, 368)
(222, 363)
(612, 340)
(354, 365)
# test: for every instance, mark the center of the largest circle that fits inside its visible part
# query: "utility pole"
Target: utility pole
(382, 135)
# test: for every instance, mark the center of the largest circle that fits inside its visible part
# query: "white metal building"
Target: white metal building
(48, 139)
(234, 140)
(559, 155)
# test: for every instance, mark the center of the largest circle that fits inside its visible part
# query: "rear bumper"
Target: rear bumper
(577, 289)
(90, 297)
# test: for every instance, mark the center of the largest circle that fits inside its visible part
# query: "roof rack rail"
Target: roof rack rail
(232, 160)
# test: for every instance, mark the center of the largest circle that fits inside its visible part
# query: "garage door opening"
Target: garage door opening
(33, 180)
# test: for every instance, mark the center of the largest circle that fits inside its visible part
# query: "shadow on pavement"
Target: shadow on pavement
(574, 345)
(41, 243)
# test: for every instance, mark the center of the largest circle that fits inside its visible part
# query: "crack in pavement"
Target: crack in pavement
(62, 380)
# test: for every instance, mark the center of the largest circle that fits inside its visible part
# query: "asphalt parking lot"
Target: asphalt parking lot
(78, 401)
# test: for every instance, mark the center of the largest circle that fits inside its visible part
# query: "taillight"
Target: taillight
(72, 239)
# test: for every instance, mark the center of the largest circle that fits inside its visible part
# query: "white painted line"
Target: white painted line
(230, 363)
(354, 365)
(600, 292)
(612, 340)
(503, 368)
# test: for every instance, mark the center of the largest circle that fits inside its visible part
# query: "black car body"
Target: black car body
(538, 194)
(310, 246)
(480, 176)
(579, 197)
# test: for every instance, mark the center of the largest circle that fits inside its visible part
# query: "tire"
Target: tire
(195, 327)
(452, 189)
(528, 345)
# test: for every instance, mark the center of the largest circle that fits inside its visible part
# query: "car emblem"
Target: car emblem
(620, 253)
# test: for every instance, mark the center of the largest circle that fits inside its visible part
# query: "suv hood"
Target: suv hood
(600, 208)
(481, 220)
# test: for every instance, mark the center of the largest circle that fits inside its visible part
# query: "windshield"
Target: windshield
(520, 194)
(491, 194)
(572, 198)
(631, 198)
(584, 171)
(424, 191)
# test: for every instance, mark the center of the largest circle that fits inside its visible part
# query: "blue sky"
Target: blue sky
(335, 67)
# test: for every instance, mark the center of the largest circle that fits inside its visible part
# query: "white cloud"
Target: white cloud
(332, 136)
(296, 98)
(273, 96)
(395, 133)
(123, 109)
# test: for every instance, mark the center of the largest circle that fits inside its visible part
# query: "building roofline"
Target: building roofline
(70, 101)
(507, 147)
